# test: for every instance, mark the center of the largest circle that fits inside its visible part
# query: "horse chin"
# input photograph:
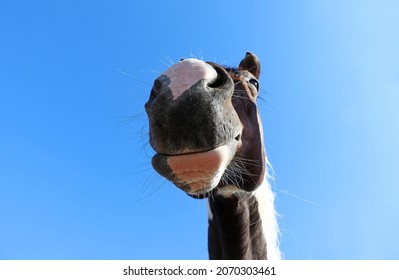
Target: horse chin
(200, 196)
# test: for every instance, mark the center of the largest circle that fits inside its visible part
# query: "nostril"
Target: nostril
(238, 137)
(156, 88)
(220, 79)
(218, 82)
(153, 94)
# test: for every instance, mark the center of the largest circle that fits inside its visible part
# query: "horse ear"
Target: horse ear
(250, 63)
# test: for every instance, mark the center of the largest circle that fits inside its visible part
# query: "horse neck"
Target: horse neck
(243, 225)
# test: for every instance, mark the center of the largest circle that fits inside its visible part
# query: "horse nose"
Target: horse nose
(188, 101)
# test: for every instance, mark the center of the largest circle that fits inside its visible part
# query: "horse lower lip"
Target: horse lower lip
(195, 173)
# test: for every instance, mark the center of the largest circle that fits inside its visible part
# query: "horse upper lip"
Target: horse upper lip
(237, 138)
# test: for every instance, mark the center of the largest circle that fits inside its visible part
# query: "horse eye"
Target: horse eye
(255, 83)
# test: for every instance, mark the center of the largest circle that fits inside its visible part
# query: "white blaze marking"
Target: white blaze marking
(184, 74)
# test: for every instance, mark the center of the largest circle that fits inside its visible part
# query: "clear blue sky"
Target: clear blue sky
(75, 174)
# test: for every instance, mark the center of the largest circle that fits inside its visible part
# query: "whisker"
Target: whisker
(240, 97)
(151, 181)
(168, 61)
(134, 77)
(130, 119)
(298, 197)
(234, 174)
(249, 162)
(143, 170)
